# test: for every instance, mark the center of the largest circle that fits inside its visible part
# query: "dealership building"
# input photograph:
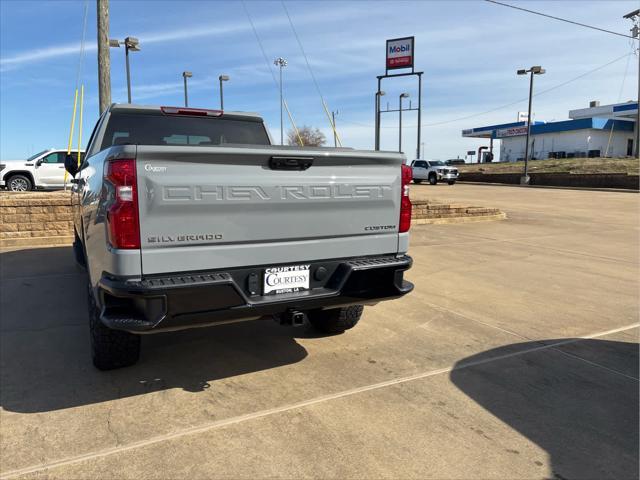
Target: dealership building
(597, 131)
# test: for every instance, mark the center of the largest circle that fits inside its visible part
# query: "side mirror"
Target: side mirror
(71, 165)
(39, 162)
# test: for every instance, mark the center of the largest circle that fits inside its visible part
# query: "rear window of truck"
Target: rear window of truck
(158, 129)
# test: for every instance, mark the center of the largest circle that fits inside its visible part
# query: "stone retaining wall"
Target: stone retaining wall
(35, 218)
(428, 211)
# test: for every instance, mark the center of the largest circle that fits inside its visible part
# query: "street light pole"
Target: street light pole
(335, 136)
(281, 62)
(537, 70)
(186, 75)
(130, 43)
(402, 95)
(526, 147)
(222, 78)
(126, 55)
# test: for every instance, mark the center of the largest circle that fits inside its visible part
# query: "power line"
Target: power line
(510, 104)
(624, 78)
(559, 19)
(295, 33)
(80, 69)
(264, 54)
(313, 77)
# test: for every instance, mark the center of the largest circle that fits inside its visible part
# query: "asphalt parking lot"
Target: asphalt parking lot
(515, 357)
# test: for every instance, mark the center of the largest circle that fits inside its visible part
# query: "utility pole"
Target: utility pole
(104, 60)
(635, 33)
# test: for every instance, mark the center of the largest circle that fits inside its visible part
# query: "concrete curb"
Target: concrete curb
(588, 189)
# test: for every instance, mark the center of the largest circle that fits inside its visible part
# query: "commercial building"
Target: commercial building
(597, 131)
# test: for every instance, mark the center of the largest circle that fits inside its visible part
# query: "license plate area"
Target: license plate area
(286, 279)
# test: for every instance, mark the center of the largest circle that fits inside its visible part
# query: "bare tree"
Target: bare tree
(311, 137)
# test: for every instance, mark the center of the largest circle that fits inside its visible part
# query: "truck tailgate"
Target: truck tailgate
(205, 208)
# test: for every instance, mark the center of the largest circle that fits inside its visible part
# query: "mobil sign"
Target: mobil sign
(400, 53)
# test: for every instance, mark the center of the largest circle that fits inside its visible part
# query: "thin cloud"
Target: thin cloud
(37, 54)
(40, 54)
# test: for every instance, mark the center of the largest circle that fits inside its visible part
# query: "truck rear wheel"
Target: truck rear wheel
(110, 349)
(336, 320)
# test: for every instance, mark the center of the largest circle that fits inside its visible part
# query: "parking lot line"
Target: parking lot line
(297, 405)
(524, 337)
(521, 242)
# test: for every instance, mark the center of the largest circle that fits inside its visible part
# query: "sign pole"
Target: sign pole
(377, 133)
(419, 113)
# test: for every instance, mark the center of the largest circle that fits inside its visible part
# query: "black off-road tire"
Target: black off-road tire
(110, 349)
(417, 181)
(19, 183)
(433, 179)
(336, 320)
(451, 182)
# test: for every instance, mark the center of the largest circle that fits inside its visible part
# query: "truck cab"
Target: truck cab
(44, 170)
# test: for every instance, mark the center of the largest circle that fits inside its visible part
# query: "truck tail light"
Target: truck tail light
(405, 201)
(122, 216)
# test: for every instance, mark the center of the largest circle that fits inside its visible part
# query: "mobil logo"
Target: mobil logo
(403, 48)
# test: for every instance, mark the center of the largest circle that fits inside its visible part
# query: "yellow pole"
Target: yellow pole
(80, 122)
(73, 122)
(293, 123)
(326, 110)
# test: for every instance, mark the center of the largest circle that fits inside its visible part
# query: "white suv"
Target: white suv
(44, 170)
(434, 171)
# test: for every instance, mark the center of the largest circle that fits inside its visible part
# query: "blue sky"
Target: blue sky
(469, 51)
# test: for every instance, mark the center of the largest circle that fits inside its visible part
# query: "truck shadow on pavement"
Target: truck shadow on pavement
(45, 361)
(584, 416)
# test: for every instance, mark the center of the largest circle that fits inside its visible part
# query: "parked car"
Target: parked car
(434, 171)
(454, 161)
(187, 217)
(44, 170)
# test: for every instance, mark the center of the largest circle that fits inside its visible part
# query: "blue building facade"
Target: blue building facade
(597, 131)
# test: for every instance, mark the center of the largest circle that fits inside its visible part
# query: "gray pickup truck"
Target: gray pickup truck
(190, 217)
